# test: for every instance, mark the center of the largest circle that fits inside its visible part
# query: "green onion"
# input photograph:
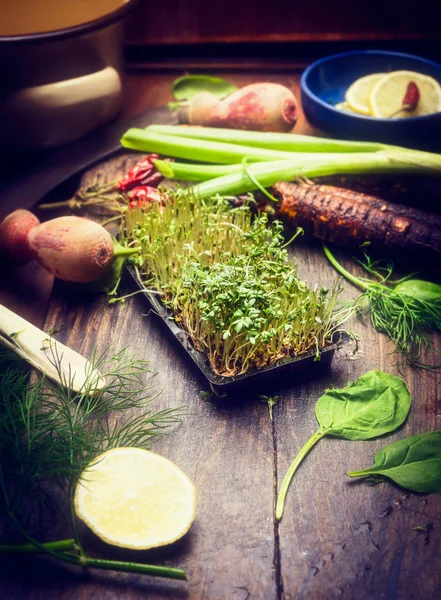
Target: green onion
(269, 166)
(268, 173)
(289, 142)
(205, 151)
(195, 172)
(198, 172)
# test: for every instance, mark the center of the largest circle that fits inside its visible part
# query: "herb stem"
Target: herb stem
(85, 561)
(255, 182)
(72, 203)
(355, 280)
(293, 468)
(361, 473)
(128, 567)
(30, 548)
(126, 251)
(73, 518)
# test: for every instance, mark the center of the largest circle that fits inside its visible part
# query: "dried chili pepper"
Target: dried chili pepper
(143, 173)
(142, 196)
(113, 194)
(411, 97)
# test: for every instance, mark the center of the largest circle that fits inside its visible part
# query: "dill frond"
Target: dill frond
(406, 310)
(49, 434)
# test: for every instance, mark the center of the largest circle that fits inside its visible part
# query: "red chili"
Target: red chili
(143, 173)
(142, 196)
(411, 97)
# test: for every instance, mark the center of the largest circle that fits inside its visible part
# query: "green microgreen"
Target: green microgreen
(226, 276)
(271, 401)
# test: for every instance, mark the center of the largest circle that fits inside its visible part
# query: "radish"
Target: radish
(199, 109)
(256, 107)
(14, 232)
(72, 248)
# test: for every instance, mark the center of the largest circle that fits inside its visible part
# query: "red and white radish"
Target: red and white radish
(255, 107)
(200, 108)
(14, 233)
(72, 248)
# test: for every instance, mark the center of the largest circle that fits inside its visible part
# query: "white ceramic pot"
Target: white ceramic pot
(57, 86)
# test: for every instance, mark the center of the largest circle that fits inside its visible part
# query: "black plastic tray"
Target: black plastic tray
(282, 369)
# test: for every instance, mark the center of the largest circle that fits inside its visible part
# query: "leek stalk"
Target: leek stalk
(192, 149)
(288, 142)
(197, 172)
(269, 173)
(227, 176)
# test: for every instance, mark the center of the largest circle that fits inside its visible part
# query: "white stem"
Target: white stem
(43, 352)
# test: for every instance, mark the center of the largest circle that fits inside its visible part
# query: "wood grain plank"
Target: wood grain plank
(226, 450)
(26, 290)
(341, 537)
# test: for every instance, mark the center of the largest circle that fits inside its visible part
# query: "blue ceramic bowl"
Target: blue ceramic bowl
(325, 82)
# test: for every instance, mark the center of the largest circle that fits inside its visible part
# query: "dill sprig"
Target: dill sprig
(406, 310)
(227, 278)
(49, 434)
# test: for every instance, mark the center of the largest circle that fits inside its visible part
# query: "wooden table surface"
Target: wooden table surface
(338, 538)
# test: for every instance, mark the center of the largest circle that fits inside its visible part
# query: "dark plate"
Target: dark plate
(284, 369)
(324, 84)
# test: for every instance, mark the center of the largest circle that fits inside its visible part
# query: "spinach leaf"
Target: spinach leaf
(419, 289)
(184, 88)
(375, 404)
(414, 463)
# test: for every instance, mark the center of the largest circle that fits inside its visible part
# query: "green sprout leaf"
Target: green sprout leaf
(226, 276)
(271, 402)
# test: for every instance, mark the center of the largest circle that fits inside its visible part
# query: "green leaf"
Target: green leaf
(414, 463)
(188, 86)
(419, 289)
(377, 403)
(271, 401)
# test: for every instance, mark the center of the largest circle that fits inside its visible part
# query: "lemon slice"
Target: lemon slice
(358, 94)
(387, 95)
(136, 499)
(345, 106)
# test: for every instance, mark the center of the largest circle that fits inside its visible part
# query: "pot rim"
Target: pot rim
(67, 32)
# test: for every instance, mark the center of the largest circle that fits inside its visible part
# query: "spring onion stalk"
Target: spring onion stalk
(268, 173)
(198, 172)
(192, 149)
(289, 142)
(41, 351)
(194, 172)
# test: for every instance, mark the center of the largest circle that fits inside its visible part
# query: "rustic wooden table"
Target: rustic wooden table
(338, 538)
